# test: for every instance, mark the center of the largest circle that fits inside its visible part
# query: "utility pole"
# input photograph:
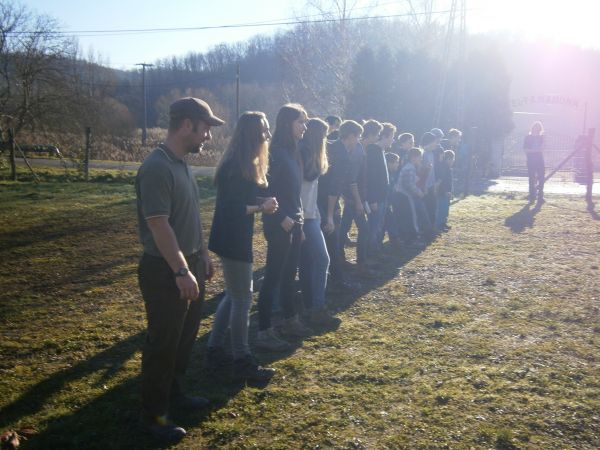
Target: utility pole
(237, 93)
(145, 95)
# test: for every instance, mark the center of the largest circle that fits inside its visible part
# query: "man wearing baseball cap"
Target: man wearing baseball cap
(174, 265)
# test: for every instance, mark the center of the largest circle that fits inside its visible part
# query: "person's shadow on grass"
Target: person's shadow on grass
(110, 420)
(591, 207)
(524, 218)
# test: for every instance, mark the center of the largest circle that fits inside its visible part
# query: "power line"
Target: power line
(124, 32)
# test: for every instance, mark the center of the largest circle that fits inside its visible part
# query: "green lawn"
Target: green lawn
(489, 338)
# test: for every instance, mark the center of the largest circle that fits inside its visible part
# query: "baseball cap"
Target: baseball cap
(194, 108)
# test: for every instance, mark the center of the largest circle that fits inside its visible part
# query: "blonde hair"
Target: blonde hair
(314, 153)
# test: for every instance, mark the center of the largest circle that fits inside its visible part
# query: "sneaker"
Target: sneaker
(248, 369)
(216, 358)
(292, 327)
(268, 340)
(162, 429)
(323, 318)
(189, 402)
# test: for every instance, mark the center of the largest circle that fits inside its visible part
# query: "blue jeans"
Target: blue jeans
(443, 209)
(362, 241)
(314, 263)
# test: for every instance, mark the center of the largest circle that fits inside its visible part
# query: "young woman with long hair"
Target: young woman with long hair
(314, 259)
(283, 231)
(240, 175)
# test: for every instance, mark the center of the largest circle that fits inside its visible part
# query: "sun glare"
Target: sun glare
(572, 21)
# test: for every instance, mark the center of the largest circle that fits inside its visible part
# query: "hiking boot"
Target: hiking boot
(323, 318)
(162, 429)
(268, 340)
(248, 369)
(216, 358)
(188, 402)
(292, 327)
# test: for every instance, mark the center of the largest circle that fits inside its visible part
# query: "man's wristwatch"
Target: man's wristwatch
(182, 272)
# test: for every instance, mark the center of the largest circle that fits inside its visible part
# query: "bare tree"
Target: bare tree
(34, 63)
(320, 55)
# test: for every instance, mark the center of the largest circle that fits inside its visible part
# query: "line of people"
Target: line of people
(310, 180)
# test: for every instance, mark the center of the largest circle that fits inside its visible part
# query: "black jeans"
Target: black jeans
(362, 242)
(172, 329)
(332, 240)
(283, 256)
(536, 172)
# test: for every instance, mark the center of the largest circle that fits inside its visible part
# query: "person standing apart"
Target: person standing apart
(534, 151)
(174, 265)
(283, 231)
(240, 174)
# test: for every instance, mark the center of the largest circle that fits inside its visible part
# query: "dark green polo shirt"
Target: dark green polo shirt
(166, 187)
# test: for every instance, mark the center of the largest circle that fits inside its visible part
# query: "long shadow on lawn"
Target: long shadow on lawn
(524, 218)
(386, 267)
(67, 431)
(591, 207)
(69, 223)
(110, 419)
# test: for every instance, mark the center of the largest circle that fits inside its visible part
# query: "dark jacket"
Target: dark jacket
(232, 228)
(285, 184)
(334, 181)
(357, 174)
(378, 179)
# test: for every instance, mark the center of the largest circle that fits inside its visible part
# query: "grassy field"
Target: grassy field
(489, 338)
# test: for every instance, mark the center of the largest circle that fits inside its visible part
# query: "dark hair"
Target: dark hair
(176, 122)
(248, 149)
(313, 150)
(537, 124)
(413, 152)
(428, 138)
(454, 132)
(391, 157)
(371, 128)
(350, 128)
(332, 120)
(449, 154)
(405, 137)
(283, 136)
(388, 130)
